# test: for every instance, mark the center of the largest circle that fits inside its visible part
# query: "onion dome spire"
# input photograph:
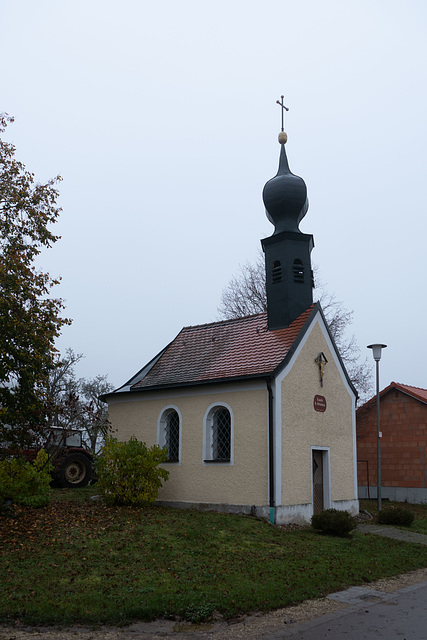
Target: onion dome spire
(285, 195)
(288, 273)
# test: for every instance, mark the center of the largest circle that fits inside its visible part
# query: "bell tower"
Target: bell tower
(289, 276)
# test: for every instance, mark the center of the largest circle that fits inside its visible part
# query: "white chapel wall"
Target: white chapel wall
(304, 428)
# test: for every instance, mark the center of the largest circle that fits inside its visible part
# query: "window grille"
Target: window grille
(221, 435)
(298, 268)
(172, 436)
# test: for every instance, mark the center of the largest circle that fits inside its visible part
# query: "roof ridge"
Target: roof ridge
(222, 322)
(410, 386)
(241, 319)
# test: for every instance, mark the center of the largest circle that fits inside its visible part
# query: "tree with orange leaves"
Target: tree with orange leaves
(30, 320)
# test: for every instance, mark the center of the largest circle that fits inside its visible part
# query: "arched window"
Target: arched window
(169, 433)
(276, 272)
(298, 269)
(218, 434)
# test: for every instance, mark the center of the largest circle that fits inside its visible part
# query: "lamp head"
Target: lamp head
(376, 350)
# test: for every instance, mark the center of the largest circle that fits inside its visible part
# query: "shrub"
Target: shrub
(129, 472)
(396, 515)
(333, 522)
(24, 482)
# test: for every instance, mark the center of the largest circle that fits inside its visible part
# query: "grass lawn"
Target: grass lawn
(80, 561)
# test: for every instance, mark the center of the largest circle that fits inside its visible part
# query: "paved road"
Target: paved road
(372, 615)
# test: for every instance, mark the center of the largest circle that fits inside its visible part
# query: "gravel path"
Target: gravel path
(391, 532)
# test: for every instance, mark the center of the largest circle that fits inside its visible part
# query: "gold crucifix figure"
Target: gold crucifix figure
(321, 361)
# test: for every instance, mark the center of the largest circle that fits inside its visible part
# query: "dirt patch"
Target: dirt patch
(250, 627)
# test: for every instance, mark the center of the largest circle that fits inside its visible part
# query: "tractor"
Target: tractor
(73, 464)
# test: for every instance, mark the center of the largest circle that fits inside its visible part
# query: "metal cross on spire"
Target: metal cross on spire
(283, 111)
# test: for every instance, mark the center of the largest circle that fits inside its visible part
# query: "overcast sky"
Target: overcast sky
(161, 119)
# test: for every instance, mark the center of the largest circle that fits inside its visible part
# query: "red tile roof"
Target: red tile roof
(221, 350)
(415, 392)
(420, 394)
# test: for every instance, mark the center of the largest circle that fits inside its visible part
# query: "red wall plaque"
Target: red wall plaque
(319, 403)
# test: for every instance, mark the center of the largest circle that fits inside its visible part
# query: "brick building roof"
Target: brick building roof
(420, 394)
(415, 392)
(231, 349)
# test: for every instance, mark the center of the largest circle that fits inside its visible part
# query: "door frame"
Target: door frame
(326, 465)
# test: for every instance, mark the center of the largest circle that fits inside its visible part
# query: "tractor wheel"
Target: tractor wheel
(75, 471)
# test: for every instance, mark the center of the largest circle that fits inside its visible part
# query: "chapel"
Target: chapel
(257, 413)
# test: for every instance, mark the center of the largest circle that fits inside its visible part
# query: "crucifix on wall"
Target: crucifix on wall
(321, 361)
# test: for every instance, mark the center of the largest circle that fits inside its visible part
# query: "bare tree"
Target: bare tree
(63, 391)
(246, 294)
(95, 416)
(75, 404)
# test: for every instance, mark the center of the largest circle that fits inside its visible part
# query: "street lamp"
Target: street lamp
(376, 352)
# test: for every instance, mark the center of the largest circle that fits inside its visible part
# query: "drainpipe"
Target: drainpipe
(271, 488)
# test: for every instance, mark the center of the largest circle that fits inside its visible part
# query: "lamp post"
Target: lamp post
(376, 352)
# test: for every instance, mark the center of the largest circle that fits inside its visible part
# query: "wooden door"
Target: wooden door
(317, 465)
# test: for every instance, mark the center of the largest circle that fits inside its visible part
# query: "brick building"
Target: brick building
(403, 420)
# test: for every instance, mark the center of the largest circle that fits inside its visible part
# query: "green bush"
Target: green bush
(333, 522)
(396, 515)
(24, 482)
(129, 472)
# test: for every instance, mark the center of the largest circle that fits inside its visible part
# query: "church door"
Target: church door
(317, 466)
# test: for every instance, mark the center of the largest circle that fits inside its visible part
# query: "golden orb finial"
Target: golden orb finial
(283, 137)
